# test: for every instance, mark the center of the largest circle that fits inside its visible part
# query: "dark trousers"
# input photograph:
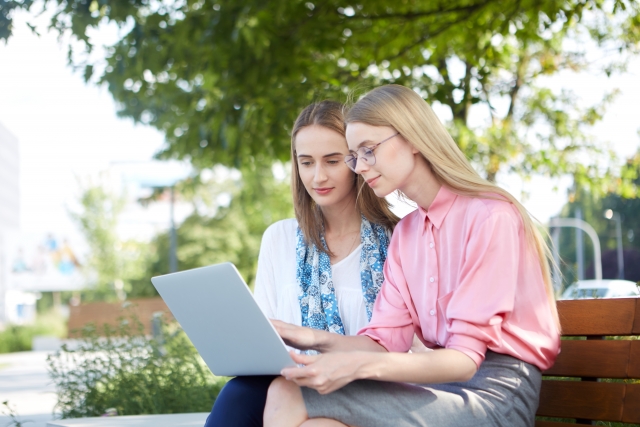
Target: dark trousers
(240, 402)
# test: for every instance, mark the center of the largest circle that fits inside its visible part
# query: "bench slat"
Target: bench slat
(631, 413)
(597, 359)
(615, 316)
(636, 322)
(580, 399)
(634, 358)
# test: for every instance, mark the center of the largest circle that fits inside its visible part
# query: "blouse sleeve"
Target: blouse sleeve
(265, 288)
(485, 294)
(391, 324)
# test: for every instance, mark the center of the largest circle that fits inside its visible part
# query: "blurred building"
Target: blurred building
(9, 221)
(9, 180)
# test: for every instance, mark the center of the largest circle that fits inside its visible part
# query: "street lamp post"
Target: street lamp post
(584, 226)
(610, 214)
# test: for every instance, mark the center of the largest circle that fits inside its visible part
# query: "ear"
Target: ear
(414, 150)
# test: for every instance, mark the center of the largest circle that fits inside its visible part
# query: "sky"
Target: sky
(69, 131)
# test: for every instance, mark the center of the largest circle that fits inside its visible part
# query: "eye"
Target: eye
(333, 162)
(305, 163)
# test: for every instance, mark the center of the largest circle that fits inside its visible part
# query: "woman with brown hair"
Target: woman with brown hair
(322, 269)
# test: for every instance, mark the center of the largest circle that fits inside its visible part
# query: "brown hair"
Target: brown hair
(404, 110)
(329, 114)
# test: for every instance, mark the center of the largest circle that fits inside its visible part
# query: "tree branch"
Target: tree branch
(422, 14)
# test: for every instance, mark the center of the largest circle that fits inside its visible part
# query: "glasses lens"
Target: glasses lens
(351, 161)
(367, 155)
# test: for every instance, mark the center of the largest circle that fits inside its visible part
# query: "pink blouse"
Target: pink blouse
(461, 276)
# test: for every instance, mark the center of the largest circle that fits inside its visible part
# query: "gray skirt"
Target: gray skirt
(503, 392)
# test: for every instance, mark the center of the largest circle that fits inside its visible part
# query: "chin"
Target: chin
(324, 202)
(379, 192)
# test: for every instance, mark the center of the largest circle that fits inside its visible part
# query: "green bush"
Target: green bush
(16, 338)
(19, 337)
(133, 374)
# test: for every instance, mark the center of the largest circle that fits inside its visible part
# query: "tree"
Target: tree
(98, 220)
(225, 79)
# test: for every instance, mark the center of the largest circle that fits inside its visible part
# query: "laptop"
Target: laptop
(217, 311)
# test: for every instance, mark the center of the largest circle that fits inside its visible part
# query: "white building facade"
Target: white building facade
(9, 224)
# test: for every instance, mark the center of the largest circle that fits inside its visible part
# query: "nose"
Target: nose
(320, 174)
(361, 166)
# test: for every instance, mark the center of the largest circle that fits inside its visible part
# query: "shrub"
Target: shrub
(16, 338)
(20, 337)
(133, 374)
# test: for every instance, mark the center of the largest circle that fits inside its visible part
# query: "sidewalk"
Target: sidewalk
(24, 382)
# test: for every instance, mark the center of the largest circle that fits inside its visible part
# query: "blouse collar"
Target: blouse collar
(439, 207)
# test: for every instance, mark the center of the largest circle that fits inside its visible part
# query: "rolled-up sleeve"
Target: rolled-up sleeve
(391, 324)
(488, 276)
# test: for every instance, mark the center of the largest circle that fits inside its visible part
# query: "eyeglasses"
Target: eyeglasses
(364, 153)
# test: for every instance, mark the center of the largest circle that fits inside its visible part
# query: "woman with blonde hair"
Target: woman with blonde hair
(467, 272)
(322, 269)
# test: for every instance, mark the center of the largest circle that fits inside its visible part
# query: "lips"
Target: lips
(373, 181)
(324, 190)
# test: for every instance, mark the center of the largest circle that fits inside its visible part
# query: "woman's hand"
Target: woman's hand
(295, 336)
(326, 372)
(304, 338)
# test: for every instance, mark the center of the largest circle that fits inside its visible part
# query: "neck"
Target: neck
(422, 186)
(342, 217)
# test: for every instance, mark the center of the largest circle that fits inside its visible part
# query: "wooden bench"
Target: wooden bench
(585, 392)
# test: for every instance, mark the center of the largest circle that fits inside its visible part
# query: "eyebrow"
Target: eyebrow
(366, 141)
(325, 156)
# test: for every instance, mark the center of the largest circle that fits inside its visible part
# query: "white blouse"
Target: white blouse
(276, 290)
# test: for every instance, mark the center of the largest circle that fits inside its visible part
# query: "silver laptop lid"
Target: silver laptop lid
(217, 311)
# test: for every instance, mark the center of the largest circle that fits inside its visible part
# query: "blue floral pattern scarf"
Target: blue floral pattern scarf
(317, 297)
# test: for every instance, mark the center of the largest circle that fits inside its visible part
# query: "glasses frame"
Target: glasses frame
(365, 153)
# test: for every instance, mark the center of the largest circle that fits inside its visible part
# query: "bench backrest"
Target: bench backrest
(585, 392)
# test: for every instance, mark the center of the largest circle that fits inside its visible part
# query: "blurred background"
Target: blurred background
(139, 137)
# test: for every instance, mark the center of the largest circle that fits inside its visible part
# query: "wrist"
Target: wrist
(322, 340)
(370, 365)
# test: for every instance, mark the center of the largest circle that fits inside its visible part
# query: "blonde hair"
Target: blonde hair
(329, 114)
(405, 111)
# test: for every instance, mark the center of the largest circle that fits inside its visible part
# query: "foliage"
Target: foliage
(131, 373)
(20, 337)
(97, 221)
(225, 79)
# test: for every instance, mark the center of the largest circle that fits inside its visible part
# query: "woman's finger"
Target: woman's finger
(295, 373)
(304, 359)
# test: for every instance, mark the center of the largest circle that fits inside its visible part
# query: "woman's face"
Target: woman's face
(394, 159)
(320, 155)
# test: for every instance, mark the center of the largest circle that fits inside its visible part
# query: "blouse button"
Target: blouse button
(431, 279)
(431, 245)
(432, 312)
